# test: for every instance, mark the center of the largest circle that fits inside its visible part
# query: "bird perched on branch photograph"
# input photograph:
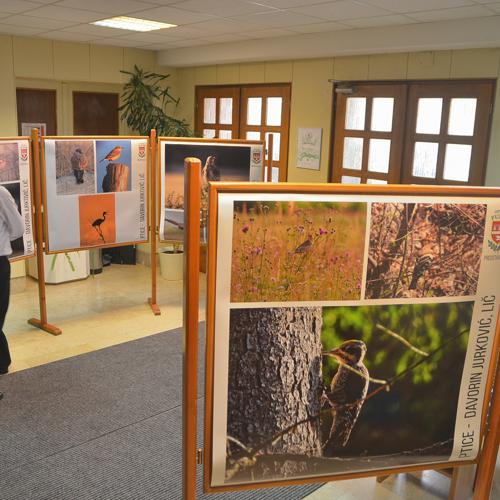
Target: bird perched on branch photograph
(346, 394)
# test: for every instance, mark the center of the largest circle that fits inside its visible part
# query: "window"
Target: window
(415, 133)
(250, 112)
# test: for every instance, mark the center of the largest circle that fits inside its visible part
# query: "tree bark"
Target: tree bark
(275, 381)
(116, 178)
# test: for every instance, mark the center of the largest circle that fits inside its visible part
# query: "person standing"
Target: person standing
(78, 164)
(11, 228)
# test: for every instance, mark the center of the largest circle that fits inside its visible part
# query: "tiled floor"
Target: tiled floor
(111, 308)
(98, 312)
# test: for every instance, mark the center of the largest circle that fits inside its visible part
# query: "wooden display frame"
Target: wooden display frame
(38, 225)
(44, 187)
(487, 450)
(27, 138)
(153, 223)
(199, 140)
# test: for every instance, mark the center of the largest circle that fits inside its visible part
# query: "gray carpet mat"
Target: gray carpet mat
(104, 425)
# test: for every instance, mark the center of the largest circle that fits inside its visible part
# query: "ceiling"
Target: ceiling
(209, 22)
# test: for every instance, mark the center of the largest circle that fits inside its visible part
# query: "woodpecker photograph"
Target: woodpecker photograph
(114, 165)
(330, 390)
(75, 167)
(285, 251)
(424, 249)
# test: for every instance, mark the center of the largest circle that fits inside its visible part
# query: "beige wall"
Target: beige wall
(65, 67)
(311, 104)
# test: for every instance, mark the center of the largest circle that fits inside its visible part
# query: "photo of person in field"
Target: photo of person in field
(75, 167)
(424, 249)
(285, 251)
(9, 162)
(331, 390)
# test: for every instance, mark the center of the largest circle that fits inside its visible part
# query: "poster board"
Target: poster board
(339, 315)
(15, 176)
(96, 190)
(232, 160)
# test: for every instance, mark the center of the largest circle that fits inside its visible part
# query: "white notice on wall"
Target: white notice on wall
(309, 148)
(26, 128)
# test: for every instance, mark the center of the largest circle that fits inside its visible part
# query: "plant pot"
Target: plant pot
(62, 267)
(171, 265)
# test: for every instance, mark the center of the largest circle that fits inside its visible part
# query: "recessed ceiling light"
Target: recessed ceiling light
(133, 24)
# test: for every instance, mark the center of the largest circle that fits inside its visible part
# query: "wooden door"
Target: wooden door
(265, 110)
(95, 113)
(369, 125)
(447, 133)
(217, 112)
(37, 106)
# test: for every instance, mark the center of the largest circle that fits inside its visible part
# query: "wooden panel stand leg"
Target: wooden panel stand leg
(462, 481)
(381, 479)
(153, 229)
(42, 322)
(191, 308)
(270, 148)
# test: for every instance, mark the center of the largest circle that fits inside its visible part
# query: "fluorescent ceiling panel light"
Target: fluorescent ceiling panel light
(133, 24)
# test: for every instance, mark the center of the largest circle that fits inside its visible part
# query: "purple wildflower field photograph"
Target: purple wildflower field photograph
(297, 251)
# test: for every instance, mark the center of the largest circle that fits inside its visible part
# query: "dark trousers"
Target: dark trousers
(78, 176)
(4, 305)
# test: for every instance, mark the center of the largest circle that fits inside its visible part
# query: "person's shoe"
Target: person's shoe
(1, 395)
(4, 371)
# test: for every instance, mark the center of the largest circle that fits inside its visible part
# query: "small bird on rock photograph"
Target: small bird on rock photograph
(288, 251)
(114, 160)
(334, 390)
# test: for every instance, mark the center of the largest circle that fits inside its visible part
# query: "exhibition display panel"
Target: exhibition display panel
(95, 191)
(338, 316)
(16, 177)
(222, 160)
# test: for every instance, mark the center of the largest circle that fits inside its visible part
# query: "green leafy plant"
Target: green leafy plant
(145, 100)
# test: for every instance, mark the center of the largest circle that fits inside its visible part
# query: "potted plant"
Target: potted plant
(172, 262)
(145, 99)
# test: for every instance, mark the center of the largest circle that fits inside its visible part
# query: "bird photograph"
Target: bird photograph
(114, 165)
(97, 220)
(424, 250)
(297, 251)
(330, 390)
(9, 162)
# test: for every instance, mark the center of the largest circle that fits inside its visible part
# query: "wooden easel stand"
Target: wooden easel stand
(38, 226)
(192, 205)
(153, 228)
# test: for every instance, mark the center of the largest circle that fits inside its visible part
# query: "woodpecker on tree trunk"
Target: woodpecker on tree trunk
(346, 395)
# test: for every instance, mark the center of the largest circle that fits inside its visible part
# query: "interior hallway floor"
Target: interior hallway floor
(111, 308)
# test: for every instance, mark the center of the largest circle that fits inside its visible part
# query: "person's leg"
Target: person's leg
(4, 305)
